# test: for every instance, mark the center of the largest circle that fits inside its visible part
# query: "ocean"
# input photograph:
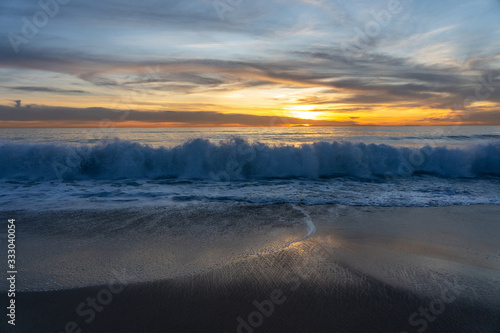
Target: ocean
(360, 166)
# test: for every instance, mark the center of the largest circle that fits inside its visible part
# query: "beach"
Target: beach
(355, 269)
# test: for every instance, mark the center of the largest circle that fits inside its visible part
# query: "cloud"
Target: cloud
(399, 78)
(471, 118)
(370, 79)
(120, 117)
(47, 90)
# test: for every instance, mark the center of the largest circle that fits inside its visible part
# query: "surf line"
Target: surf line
(311, 228)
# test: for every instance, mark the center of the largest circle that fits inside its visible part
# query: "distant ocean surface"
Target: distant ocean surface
(381, 166)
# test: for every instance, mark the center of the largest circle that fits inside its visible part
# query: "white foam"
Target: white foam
(237, 159)
(311, 228)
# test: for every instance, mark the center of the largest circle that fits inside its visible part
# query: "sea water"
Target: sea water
(380, 166)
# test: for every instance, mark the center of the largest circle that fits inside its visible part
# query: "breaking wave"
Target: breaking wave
(237, 159)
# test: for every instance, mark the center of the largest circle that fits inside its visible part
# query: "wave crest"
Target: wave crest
(237, 159)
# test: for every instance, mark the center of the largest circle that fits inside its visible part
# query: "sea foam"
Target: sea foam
(237, 159)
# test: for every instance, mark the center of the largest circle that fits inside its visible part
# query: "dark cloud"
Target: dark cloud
(48, 90)
(194, 118)
(473, 118)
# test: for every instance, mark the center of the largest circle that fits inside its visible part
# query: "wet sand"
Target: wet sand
(365, 269)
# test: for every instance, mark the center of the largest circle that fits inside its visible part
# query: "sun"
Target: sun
(303, 115)
(303, 112)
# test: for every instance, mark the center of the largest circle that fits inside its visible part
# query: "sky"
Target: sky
(66, 63)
